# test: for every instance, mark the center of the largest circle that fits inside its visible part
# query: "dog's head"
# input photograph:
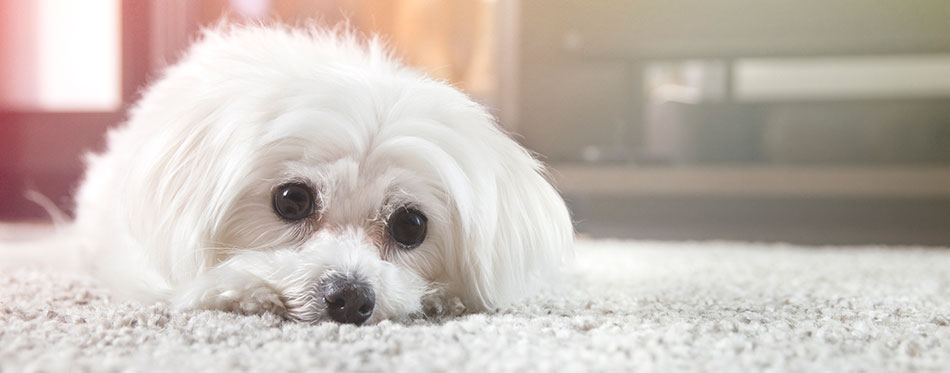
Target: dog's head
(353, 185)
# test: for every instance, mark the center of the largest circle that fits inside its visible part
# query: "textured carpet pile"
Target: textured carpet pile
(626, 306)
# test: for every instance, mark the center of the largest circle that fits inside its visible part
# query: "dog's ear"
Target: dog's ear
(520, 231)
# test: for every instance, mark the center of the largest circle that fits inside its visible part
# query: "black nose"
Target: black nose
(349, 302)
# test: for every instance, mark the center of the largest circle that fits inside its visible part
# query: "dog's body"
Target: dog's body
(201, 199)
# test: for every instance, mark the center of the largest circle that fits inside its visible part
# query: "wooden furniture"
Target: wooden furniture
(580, 77)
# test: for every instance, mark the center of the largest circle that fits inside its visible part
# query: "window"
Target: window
(60, 55)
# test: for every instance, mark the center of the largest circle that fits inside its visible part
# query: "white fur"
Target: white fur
(178, 208)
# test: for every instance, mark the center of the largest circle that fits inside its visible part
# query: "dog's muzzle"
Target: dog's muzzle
(348, 300)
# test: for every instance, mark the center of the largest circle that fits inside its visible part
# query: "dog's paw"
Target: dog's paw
(231, 292)
(250, 301)
(437, 305)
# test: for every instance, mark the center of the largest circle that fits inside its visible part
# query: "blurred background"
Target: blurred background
(806, 121)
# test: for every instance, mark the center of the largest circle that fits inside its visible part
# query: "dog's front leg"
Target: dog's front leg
(232, 290)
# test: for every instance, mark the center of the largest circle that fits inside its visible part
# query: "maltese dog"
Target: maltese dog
(309, 174)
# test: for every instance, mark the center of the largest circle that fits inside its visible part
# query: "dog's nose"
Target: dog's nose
(349, 302)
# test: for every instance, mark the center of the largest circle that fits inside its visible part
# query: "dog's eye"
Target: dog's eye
(293, 201)
(407, 226)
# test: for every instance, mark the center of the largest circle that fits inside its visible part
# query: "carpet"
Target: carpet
(626, 306)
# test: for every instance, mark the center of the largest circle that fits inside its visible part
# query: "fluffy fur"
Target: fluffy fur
(178, 209)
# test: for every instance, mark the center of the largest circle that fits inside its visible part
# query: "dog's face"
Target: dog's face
(358, 188)
(352, 186)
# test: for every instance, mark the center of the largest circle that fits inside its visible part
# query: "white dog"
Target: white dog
(306, 173)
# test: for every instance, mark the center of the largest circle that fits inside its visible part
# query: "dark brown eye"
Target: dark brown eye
(407, 226)
(293, 201)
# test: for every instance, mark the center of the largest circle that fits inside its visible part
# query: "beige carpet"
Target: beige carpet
(627, 306)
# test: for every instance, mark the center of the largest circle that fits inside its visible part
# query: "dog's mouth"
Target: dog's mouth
(348, 299)
(345, 281)
(340, 297)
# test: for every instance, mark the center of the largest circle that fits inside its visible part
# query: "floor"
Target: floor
(624, 305)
